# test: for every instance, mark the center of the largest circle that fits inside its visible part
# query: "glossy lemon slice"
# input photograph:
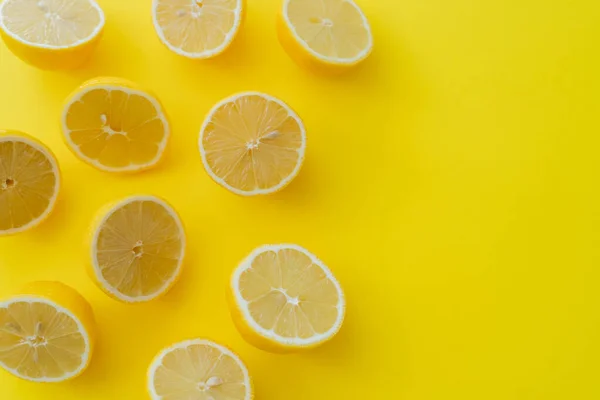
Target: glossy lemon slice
(201, 370)
(285, 299)
(47, 333)
(325, 35)
(115, 125)
(198, 28)
(137, 249)
(252, 144)
(29, 182)
(51, 34)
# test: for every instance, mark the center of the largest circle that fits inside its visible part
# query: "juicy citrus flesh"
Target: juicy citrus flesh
(289, 296)
(252, 144)
(138, 249)
(52, 23)
(29, 183)
(42, 340)
(199, 370)
(197, 28)
(116, 128)
(334, 30)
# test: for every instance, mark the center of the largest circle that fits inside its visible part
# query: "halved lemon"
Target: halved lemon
(252, 144)
(201, 370)
(285, 299)
(47, 333)
(137, 249)
(326, 35)
(29, 182)
(51, 34)
(198, 28)
(115, 125)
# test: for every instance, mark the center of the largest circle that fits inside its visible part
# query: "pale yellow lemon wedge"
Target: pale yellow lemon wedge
(284, 299)
(29, 182)
(198, 28)
(252, 144)
(51, 34)
(115, 125)
(201, 370)
(47, 333)
(137, 249)
(325, 35)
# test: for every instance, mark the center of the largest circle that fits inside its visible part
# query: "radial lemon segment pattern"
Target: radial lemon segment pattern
(200, 372)
(196, 26)
(331, 28)
(28, 183)
(51, 22)
(289, 295)
(252, 143)
(115, 127)
(39, 342)
(139, 248)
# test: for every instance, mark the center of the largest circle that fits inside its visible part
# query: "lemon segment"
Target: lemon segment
(201, 370)
(198, 29)
(325, 35)
(29, 182)
(51, 34)
(252, 144)
(284, 299)
(47, 333)
(115, 126)
(137, 249)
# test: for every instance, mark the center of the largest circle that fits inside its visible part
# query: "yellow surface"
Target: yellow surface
(451, 183)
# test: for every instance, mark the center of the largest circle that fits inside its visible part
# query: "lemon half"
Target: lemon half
(325, 35)
(29, 182)
(47, 333)
(201, 370)
(284, 299)
(252, 144)
(51, 34)
(137, 249)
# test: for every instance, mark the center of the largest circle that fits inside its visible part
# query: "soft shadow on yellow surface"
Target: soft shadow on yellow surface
(451, 182)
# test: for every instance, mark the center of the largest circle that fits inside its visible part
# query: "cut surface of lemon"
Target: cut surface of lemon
(283, 299)
(29, 182)
(325, 33)
(252, 144)
(115, 126)
(47, 333)
(198, 370)
(137, 249)
(51, 33)
(198, 28)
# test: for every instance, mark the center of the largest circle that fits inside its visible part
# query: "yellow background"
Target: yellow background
(451, 183)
